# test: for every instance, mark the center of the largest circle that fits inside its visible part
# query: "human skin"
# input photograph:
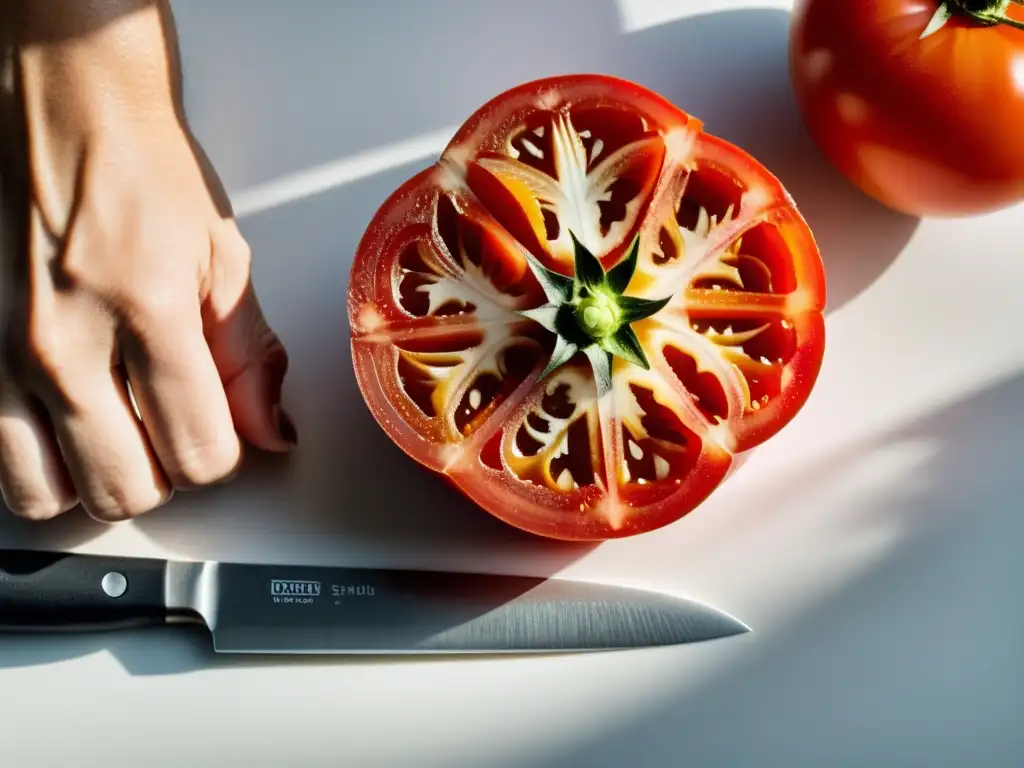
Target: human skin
(121, 266)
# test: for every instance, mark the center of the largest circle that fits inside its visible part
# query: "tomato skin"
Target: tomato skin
(456, 204)
(927, 127)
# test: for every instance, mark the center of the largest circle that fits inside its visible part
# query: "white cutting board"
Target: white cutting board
(873, 545)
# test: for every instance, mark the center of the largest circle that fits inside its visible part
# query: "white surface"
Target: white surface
(874, 545)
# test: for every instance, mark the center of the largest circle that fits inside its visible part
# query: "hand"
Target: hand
(130, 278)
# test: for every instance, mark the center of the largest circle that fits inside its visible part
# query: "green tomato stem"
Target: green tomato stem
(988, 12)
(588, 311)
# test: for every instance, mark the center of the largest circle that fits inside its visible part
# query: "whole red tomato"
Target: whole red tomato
(929, 127)
(585, 309)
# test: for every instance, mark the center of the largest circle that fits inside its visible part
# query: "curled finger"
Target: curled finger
(33, 478)
(181, 400)
(106, 449)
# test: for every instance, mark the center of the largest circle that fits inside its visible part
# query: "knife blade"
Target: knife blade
(296, 609)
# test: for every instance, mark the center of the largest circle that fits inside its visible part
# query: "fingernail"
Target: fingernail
(285, 426)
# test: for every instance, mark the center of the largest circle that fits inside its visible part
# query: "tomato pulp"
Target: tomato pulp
(451, 284)
(929, 127)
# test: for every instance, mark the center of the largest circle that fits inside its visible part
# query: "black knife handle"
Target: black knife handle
(51, 591)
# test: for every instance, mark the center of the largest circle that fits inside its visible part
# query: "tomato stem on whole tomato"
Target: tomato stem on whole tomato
(986, 12)
(590, 313)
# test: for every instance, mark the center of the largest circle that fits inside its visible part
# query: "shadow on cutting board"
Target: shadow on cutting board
(917, 662)
(349, 496)
(172, 651)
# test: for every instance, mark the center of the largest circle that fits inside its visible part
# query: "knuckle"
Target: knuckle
(46, 361)
(43, 348)
(118, 505)
(207, 464)
(41, 358)
(31, 496)
(153, 306)
(233, 246)
(36, 507)
(241, 253)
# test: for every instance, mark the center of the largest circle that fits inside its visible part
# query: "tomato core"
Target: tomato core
(599, 315)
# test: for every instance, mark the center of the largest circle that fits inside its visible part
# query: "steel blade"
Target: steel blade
(313, 610)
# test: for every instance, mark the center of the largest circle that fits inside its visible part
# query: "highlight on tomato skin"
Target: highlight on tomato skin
(926, 119)
(586, 310)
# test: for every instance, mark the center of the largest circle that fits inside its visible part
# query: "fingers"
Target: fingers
(106, 449)
(205, 370)
(122, 464)
(181, 400)
(253, 364)
(249, 356)
(33, 479)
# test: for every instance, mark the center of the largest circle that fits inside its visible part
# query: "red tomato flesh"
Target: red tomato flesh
(451, 371)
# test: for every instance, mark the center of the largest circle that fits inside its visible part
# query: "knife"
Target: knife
(282, 609)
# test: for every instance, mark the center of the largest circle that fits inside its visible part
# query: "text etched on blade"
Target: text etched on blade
(304, 592)
(352, 590)
(294, 591)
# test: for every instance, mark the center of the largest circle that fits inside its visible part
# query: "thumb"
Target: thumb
(251, 360)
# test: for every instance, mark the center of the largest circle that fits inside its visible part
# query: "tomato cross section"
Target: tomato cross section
(458, 376)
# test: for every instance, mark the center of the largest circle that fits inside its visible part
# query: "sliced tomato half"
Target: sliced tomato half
(452, 371)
